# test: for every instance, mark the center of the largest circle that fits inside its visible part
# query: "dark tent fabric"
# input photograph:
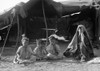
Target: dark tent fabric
(34, 8)
(29, 11)
(53, 8)
(97, 23)
(80, 47)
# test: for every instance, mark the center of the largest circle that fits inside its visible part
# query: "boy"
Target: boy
(53, 49)
(24, 53)
(40, 50)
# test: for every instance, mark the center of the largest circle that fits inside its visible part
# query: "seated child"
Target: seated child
(24, 53)
(40, 50)
(53, 49)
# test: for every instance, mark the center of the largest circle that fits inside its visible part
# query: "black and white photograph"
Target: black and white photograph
(49, 35)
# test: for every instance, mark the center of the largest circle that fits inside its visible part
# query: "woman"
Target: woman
(80, 47)
(24, 53)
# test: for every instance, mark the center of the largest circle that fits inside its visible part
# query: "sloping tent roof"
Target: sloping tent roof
(6, 17)
(35, 8)
(53, 8)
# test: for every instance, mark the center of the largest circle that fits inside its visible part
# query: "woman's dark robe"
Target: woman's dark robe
(80, 47)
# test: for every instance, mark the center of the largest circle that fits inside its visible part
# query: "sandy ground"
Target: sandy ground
(58, 65)
(66, 64)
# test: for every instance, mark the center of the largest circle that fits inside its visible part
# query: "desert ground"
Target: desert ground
(66, 64)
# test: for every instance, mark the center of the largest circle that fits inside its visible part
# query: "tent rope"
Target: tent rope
(6, 37)
(17, 32)
(45, 21)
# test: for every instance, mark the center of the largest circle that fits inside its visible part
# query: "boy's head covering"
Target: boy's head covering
(40, 41)
(23, 35)
(24, 38)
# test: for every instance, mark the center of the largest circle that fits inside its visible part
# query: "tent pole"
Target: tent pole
(6, 37)
(45, 22)
(17, 32)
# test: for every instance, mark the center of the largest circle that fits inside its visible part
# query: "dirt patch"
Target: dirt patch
(51, 65)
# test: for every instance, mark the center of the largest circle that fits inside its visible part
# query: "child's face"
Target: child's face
(25, 42)
(39, 44)
(53, 41)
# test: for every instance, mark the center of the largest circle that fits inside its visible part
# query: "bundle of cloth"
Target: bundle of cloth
(80, 46)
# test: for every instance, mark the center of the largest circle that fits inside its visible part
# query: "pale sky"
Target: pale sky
(75, 2)
(71, 0)
(61, 0)
(7, 4)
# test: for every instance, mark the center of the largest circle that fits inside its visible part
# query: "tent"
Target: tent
(27, 13)
(52, 8)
